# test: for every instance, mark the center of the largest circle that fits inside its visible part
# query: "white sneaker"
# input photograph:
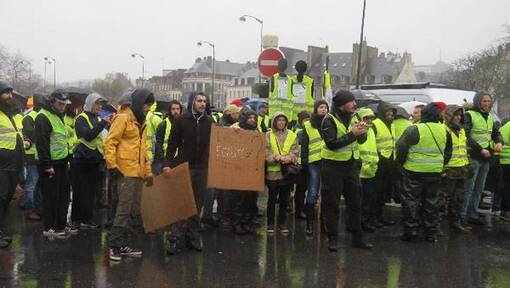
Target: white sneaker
(130, 252)
(51, 233)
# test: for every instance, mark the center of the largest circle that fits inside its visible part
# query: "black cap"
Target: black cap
(5, 87)
(60, 96)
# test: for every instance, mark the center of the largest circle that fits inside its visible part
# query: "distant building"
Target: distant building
(167, 86)
(427, 73)
(199, 78)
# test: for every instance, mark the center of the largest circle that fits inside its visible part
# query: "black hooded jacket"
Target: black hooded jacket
(411, 136)
(382, 109)
(138, 98)
(328, 130)
(243, 119)
(190, 135)
(159, 154)
(473, 147)
(11, 160)
(43, 130)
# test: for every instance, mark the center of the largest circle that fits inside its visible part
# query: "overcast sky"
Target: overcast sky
(94, 37)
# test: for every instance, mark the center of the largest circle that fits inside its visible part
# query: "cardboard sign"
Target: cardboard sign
(236, 159)
(169, 200)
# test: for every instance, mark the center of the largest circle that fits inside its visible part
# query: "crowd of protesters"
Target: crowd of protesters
(433, 164)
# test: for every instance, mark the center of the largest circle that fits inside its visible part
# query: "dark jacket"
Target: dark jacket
(82, 153)
(473, 147)
(411, 136)
(11, 160)
(159, 154)
(328, 131)
(43, 130)
(304, 139)
(190, 135)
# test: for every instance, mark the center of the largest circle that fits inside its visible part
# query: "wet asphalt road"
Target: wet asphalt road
(478, 260)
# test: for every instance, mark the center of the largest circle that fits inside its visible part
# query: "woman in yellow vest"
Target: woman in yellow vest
(311, 147)
(88, 161)
(423, 150)
(451, 191)
(281, 149)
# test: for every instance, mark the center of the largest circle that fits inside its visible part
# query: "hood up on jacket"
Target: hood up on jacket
(246, 112)
(273, 121)
(139, 97)
(449, 112)
(477, 100)
(172, 103)
(191, 100)
(401, 113)
(382, 109)
(431, 113)
(91, 99)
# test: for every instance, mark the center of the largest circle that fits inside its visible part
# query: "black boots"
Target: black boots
(310, 217)
(357, 242)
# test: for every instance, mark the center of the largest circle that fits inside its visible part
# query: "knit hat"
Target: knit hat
(342, 97)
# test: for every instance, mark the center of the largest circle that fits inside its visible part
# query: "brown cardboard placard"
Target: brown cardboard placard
(169, 200)
(236, 159)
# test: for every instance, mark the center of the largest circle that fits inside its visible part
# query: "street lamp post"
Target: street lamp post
(360, 48)
(134, 55)
(49, 60)
(261, 22)
(200, 43)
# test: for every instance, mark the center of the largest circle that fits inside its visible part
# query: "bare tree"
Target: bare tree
(112, 86)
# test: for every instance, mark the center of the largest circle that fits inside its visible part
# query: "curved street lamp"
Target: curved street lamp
(134, 55)
(49, 60)
(200, 44)
(261, 22)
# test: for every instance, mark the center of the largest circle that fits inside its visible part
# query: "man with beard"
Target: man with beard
(11, 154)
(163, 132)
(190, 136)
(126, 159)
(340, 169)
(51, 137)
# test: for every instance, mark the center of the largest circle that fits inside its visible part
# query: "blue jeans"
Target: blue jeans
(314, 182)
(31, 194)
(473, 189)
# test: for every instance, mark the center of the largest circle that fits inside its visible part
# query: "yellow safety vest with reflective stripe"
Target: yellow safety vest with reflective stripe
(291, 138)
(327, 92)
(369, 156)
(384, 139)
(9, 132)
(504, 157)
(427, 156)
(398, 126)
(459, 150)
(59, 144)
(315, 143)
(265, 120)
(345, 153)
(32, 150)
(482, 128)
(153, 119)
(72, 140)
(280, 101)
(305, 104)
(96, 143)
(168, 129)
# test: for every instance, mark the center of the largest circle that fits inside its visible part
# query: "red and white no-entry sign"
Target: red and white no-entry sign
(268, 61)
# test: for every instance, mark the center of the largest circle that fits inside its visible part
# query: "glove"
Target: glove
(115, 173)
(149, 181)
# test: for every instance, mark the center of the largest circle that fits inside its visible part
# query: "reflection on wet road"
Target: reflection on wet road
(478, 260)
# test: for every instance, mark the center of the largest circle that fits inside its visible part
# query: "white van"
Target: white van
(420, 92)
